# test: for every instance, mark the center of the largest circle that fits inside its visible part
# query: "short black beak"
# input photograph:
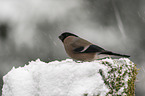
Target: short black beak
(60, 37)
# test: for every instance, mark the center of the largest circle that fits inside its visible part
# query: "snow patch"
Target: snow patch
(58, 78)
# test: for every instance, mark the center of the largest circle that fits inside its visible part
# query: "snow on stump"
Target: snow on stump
(107, 77)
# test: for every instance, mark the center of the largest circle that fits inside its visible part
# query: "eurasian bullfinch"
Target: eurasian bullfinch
(81, 49)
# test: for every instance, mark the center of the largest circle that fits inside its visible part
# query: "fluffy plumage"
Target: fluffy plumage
(81, 49)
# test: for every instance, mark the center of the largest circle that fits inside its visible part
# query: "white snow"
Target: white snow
(57, 78)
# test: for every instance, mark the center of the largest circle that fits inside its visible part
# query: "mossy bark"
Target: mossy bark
(131, 82)
(115, 80)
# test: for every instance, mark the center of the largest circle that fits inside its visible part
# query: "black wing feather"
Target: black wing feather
(90, 49)
(112, 53)
(79, 49)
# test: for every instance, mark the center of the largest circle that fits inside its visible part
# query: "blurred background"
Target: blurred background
(29, 29)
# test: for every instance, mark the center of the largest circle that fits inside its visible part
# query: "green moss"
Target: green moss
(85, 94)
(115, 79)
(131, 82)
(120, 78)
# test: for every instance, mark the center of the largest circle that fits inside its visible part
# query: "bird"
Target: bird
(82, 50)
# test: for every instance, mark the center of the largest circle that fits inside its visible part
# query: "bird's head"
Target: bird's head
(66, 34)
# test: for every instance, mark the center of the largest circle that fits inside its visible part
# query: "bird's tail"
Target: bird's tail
(113, 54)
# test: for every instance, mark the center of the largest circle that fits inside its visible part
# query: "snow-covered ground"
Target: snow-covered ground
(63, 78)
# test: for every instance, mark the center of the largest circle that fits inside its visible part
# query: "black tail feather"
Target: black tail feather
(115, 54)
